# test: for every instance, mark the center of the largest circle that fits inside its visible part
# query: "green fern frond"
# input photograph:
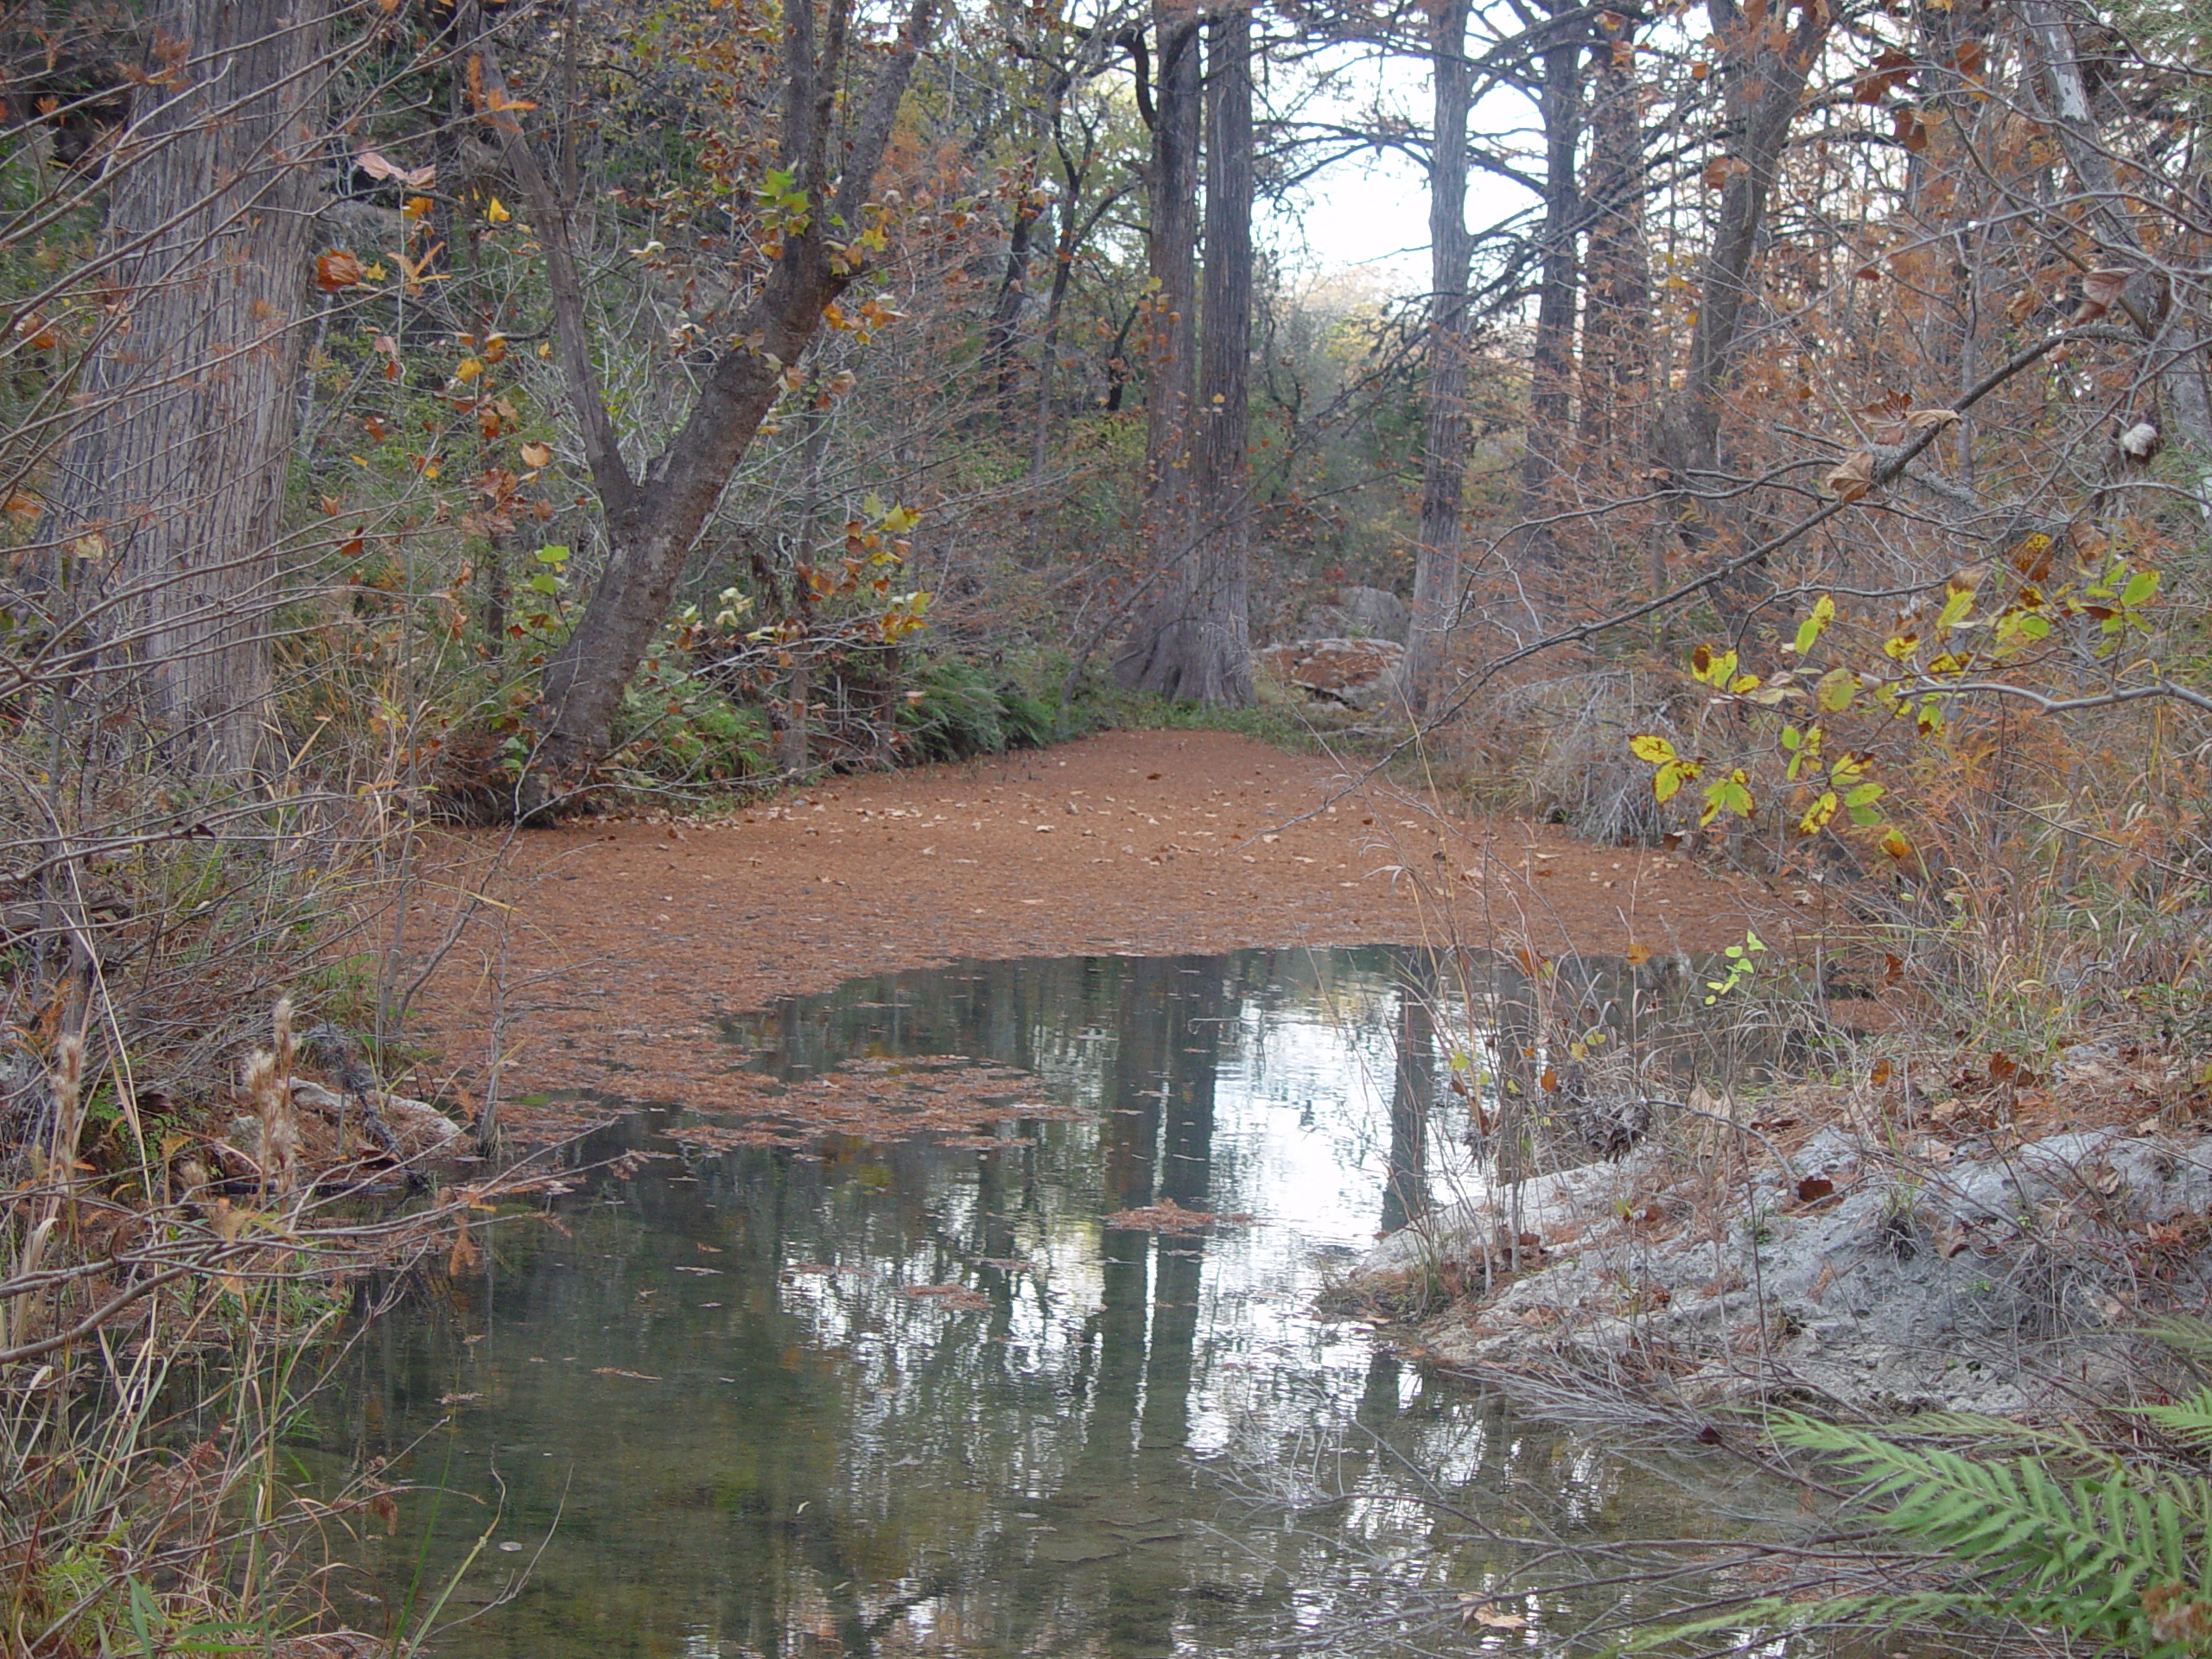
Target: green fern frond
(1782, 1616)
(2184, 1335)
(2062, 1440)
(2078, 1553)
(2188, 1420)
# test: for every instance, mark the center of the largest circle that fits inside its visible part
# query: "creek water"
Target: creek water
(925, 1384)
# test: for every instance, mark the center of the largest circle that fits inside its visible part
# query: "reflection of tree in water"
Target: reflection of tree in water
(829, 1464)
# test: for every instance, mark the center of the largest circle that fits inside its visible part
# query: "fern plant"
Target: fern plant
(2062, 1533)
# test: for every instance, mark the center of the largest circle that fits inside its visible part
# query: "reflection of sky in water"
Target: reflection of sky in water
(1099, 1454)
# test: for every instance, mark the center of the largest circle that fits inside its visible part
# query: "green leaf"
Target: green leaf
(1813, 626)
(1731, 794)
(1835, 690)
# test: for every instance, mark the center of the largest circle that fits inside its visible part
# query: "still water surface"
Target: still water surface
(867, 1395)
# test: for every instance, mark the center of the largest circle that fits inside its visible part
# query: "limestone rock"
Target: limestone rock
(1363, 674)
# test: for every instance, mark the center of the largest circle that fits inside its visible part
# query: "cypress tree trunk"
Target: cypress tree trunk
(1151, 660)
(163, 512)
(1195, 639)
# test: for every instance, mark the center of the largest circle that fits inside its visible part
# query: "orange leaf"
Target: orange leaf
(335, 269)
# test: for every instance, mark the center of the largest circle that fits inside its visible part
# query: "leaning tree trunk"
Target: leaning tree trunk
(1444, 449)
(653, 520)
(163, 511)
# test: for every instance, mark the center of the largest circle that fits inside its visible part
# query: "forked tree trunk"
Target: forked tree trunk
(163, 512)
(653, 520)
(1444, 449)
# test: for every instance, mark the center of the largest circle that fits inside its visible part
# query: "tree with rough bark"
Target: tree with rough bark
(1152, 659)
(161, 535)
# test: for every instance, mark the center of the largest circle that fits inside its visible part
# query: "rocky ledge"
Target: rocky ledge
(2012, 1282)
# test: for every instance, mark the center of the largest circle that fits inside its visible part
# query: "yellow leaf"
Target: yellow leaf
(416, 207)
(1668, 780)
(467, 369)
(494, 210)
(1895, 844)
(1818, 813)
(1656, 750)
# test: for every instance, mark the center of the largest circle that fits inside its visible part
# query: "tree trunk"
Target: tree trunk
(1221, 450)
(1152, 660)
(163, 513)
(1002, 334)
(1617, 274)
(1195, 638)
(1444, 449)
(1551, 363)
(1762, 73)
(2174, 332)
(653, 520)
